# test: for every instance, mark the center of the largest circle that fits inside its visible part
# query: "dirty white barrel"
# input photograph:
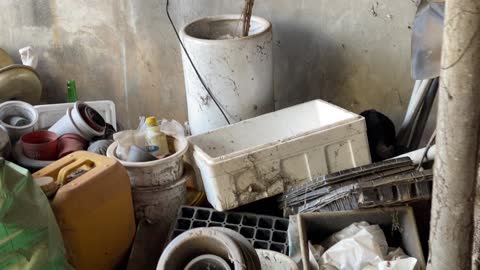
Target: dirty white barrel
(237, 70)
(160, 203)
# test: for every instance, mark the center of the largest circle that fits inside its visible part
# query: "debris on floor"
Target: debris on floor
(390, 182)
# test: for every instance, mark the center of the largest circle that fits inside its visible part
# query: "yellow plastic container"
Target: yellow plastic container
(94, 211)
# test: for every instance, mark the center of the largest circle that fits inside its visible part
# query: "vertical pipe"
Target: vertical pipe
(457, 138)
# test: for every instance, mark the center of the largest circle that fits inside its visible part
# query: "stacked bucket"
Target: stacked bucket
(159, 186)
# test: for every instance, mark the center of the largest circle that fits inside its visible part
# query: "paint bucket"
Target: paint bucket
(40, 145)
(10, 110)
(69, 143)
(240, 78)
(160, 172)
(159, 203)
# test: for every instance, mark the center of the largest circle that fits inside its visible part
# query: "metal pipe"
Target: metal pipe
(458, 124)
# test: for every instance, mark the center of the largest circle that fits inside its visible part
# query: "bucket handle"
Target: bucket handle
(65, 171)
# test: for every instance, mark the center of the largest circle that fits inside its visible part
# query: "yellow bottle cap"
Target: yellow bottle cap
(151, 121)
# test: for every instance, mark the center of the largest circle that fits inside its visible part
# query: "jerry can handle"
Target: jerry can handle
(64, 172)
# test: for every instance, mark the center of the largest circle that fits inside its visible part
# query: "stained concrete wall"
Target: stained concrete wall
(354, 53)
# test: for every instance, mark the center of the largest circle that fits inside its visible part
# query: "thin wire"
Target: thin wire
(429, 144)
(193, 66)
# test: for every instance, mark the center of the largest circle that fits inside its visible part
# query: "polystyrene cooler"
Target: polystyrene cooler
(263, 156)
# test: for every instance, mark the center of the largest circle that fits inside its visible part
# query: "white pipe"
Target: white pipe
(414, 105)
(417, 155)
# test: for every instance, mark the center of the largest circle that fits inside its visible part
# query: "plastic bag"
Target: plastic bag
(30, 238)
(29, 56)
(169, 127)
(127, 138)
(362, 246)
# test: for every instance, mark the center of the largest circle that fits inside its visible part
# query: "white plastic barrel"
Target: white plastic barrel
(237, 70)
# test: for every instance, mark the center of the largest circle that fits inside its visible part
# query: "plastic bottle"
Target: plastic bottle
(156, 141)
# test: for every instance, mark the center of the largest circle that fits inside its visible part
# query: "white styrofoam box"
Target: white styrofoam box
(50, 113)
(263, 156)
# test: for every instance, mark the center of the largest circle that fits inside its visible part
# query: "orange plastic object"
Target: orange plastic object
(94, 210)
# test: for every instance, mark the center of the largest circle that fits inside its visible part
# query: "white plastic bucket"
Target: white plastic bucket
(160, 203)
(18, 108)
(158, 172)
(239, 71)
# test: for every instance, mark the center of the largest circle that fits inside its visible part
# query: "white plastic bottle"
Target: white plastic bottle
(155, 140)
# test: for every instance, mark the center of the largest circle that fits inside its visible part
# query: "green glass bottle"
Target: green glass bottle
(71, 91)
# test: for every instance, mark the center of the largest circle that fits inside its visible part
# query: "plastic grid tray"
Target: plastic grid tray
(264, 232)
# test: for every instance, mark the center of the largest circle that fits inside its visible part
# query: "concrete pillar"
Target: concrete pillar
(456, 162)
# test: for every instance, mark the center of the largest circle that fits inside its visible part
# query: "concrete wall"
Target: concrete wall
(354, 53)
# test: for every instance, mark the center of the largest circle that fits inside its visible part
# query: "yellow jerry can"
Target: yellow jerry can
(93, 208)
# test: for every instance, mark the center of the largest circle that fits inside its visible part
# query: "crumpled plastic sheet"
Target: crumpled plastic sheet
(361, 246)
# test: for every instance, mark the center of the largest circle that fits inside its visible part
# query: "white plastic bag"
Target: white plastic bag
(29, 56)
(169, 127)
(362, 246)
(127, 138)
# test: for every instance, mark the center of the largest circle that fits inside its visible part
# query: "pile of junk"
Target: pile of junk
(311, 186)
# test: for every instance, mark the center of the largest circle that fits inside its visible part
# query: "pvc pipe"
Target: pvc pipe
(417, 155)
(413, 107)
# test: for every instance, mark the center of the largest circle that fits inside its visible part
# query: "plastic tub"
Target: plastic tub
(18, 108)
(40, 145)
(262, 156)
(27, 162)
(158, 172)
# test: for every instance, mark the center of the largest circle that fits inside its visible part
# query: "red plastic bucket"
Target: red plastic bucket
(40, 145)
(70, 143)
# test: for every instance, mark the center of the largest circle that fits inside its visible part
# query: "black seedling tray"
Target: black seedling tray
(263, 232)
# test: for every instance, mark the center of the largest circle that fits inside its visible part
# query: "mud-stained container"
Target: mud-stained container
(238, 70)
(265, 155)
(93, 208)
